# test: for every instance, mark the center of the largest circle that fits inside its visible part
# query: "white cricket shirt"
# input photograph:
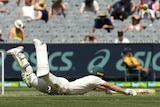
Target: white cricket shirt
(84, 84)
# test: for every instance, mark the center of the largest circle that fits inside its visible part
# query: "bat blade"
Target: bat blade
(140, 92)
(146, 91)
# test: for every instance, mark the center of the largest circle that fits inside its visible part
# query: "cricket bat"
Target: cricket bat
(140, 92)
(146, 91)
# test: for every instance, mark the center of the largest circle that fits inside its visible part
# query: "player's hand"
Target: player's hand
(130, 92)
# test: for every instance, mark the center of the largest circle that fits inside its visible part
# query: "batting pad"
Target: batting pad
(42, 60)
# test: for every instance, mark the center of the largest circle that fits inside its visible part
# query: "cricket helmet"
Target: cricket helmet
(97, 71)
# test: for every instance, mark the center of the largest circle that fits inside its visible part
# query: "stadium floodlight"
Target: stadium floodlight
(2, 71)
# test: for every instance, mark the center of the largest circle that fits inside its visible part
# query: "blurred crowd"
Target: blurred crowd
(121, 10)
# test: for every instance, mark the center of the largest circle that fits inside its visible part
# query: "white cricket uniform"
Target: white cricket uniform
(46, 82)
(59, 85)
(80, 86)
(83, 85)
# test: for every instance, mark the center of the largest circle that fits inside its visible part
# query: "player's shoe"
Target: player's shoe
(131, 92)
(37, 42)
(15, 51)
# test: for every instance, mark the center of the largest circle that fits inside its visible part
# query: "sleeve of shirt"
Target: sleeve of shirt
(131, 4)
(96, 23)
(23, 8)
(96, 6)
(127, 40)
(152, 13)
(99, 81)
(109, 22)
(82, 7)
(114, 5)
(140, 14)
(126, 61)
(134, 60)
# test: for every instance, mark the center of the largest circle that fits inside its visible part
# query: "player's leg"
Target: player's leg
(42, 63)
(26, 70)
(22, 63)
(58, 84)
(38, 83)
(42, 58)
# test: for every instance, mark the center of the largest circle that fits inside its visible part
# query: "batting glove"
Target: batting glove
(130, 92)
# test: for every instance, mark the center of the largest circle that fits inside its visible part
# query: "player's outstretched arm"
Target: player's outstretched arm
(113, 87)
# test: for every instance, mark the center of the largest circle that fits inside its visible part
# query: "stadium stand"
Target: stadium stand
(73, 27)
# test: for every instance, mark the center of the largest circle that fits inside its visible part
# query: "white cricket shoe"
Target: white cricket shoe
(37, 42)
(131, 92)
(15, 51)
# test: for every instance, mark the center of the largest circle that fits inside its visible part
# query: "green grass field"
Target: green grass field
(29, 97)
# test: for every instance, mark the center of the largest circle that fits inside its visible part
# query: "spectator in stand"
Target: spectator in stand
(103, 22)
(17, 32)
(4, 11)
(3, 2)
(27, 10)
(146, 13)
(133, 65)
(154, 5)
(89, 5)
(118, 14)
(89, 38)
(135, 25)
(121, 38)
(32, 1)
(42, 13)
(125, 8)
(58, 8)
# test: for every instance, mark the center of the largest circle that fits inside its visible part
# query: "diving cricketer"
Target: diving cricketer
(46, 82)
